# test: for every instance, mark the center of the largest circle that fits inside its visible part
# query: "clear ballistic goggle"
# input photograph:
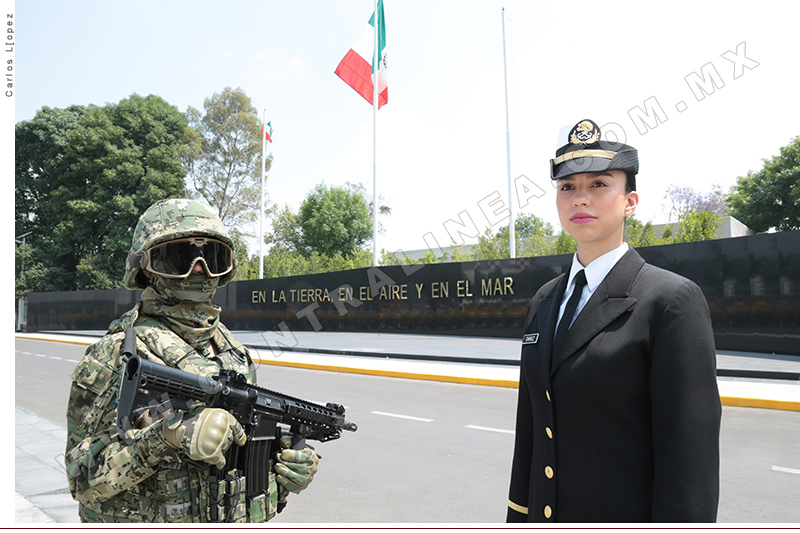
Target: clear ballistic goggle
(176, 259)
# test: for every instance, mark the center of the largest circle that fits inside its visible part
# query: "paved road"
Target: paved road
(440, 453)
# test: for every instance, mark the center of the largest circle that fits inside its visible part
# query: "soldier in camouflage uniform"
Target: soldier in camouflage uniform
(180, 254)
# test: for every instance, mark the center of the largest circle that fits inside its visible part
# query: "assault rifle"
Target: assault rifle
(155, 387)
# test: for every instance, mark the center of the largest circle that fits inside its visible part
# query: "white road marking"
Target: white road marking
(402, 416)
(52, 357)
(787, 470)
(482, 428)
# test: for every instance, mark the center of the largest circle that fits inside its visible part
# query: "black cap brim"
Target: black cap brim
(626, 160)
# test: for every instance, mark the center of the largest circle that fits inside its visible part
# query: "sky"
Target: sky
(635, 68)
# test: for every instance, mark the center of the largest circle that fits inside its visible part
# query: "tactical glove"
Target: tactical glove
(204, 435)
(295, 468)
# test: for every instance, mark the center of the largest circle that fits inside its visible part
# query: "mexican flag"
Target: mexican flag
(268, 131)
(356, 68)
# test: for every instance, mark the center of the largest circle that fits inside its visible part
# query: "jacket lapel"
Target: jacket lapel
(548, 314)
(608, 302)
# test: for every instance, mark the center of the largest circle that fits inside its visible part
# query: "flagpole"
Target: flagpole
(511, 229)
(375, 68)
(261, 212)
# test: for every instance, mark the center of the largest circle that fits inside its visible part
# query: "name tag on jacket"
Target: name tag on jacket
(530, 338)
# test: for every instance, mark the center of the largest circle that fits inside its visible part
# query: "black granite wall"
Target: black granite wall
(752, 285)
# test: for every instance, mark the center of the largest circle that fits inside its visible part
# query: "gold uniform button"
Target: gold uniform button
(548, 472)
(549, 432)
(548, 395)
(548, 512)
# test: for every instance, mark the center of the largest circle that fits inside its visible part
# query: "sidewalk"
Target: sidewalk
(41, 494)
(40, 481)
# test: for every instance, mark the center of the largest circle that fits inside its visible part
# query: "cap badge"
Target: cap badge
(584, 132)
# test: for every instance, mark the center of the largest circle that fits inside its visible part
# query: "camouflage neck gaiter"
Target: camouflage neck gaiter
(184, 305)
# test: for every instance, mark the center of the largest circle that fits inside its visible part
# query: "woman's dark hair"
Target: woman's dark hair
(630, 182)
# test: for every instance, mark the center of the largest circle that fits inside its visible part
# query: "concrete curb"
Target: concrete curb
(393, 373)
(45, 338)
(763, 403)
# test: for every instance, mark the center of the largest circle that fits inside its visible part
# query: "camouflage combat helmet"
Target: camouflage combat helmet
(167, 220)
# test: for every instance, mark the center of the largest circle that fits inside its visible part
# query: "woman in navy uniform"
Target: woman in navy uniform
(618, 411)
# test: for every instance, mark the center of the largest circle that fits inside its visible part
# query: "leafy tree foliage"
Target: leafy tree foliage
(333, 221)
(638, 234)
(698, 226)
(224, 156)
(770, 198)
(692, 226)
(83, 176)
(30, 272)
(286, 233)
(529, 225)
(533, 235)
(247, 264)
(428, 259)
(490, 245)
(328, 233)
(285, 263)
(42, 177)
(565, 244)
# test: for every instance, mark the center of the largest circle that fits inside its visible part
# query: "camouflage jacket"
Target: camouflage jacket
(141, 478)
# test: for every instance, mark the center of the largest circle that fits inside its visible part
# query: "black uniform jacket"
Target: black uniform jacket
(623, 424)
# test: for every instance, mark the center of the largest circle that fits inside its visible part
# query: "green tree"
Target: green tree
(333, 221)
(284, 263)
(533, 235)
(40, 165)
(247, 264)
(224, 159)
(770, 198)
(327, 234)
(698, 226)
(30, 272)
(565, 244)
(666, 235)
(457, 254)
(490, 246)
(532, 239)
(286, 235)
(528, 225)
(83, 177)
(388, 258)
(638, 234)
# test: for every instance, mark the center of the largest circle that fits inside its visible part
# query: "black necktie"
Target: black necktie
(572, 305)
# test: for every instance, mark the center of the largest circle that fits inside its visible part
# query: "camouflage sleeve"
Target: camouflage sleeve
(99, 463)
(251, 374)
